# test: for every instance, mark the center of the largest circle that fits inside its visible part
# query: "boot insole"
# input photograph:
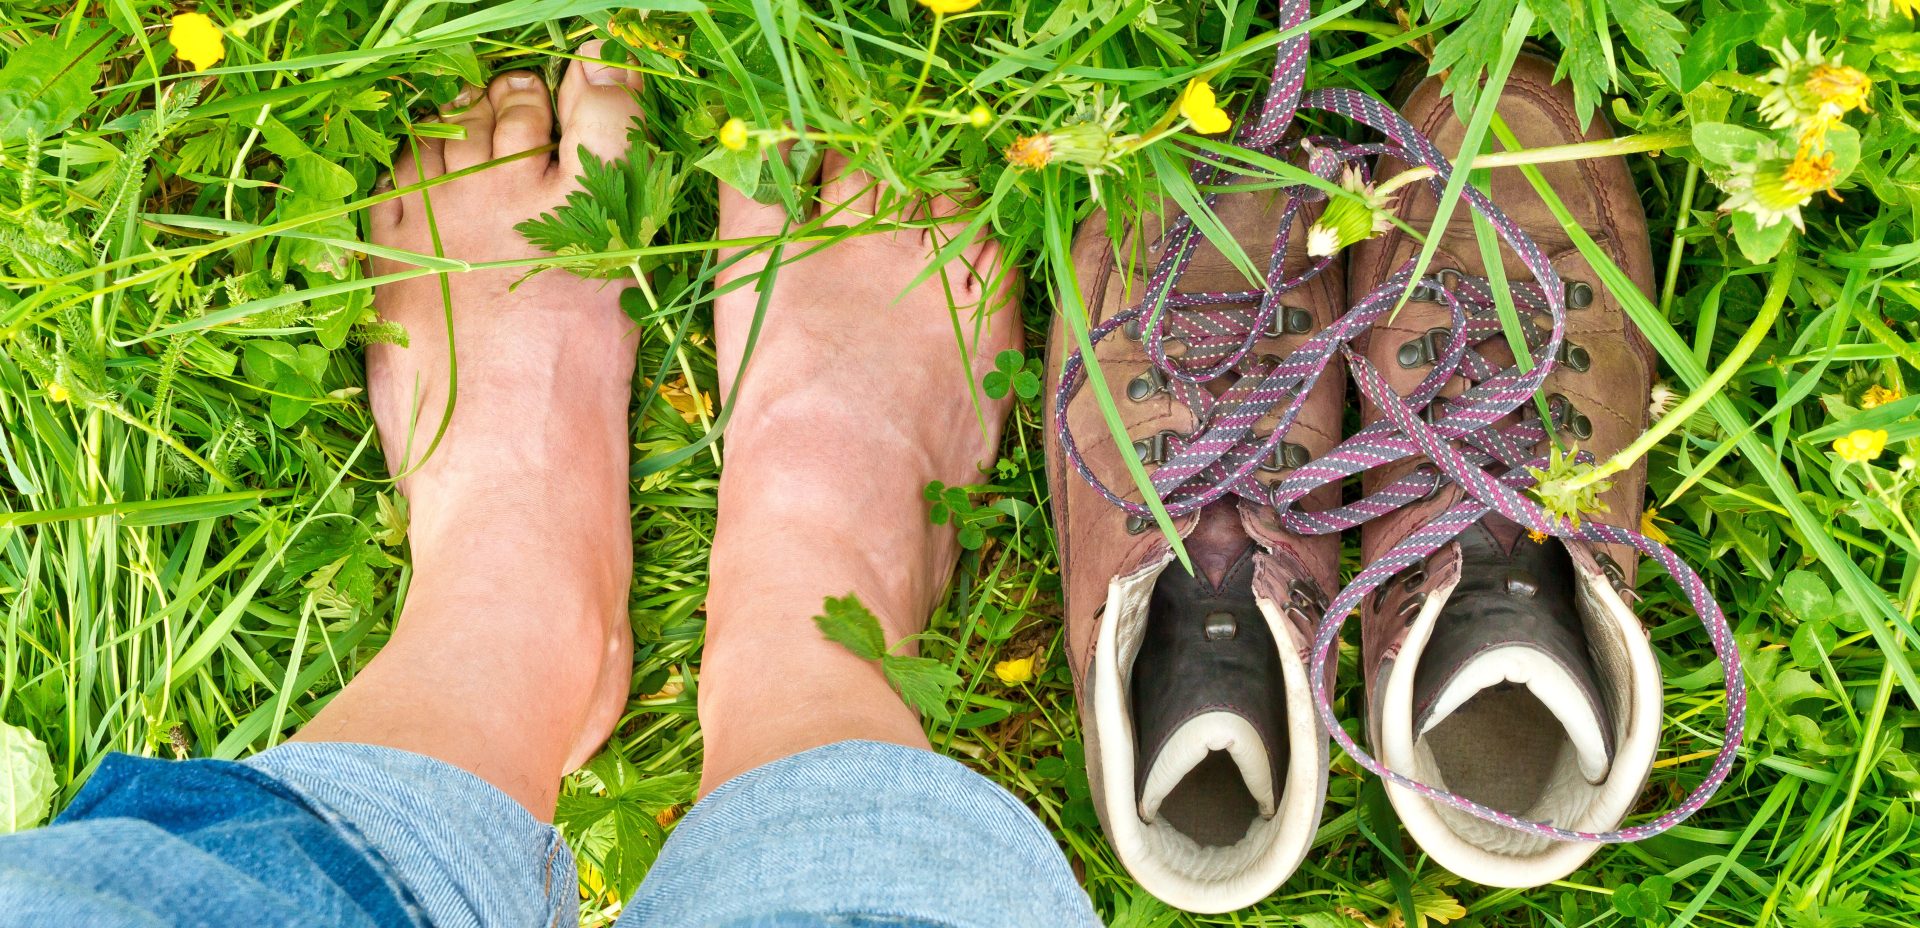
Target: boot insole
(1211, 805)
(1501, 748)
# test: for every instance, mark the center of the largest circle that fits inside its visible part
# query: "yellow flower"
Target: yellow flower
(980, 117)
(1014, 672)
(197, 41)
(1861, 445)
(1650, 529)
(1909, 7)
(1838, 88)
(1809, 174)
(58, 393)
(1031, 152)
(733, 135)
(688, 403)
(1536, 536)
(1877, 395)
(1198, 105)
(949, 6)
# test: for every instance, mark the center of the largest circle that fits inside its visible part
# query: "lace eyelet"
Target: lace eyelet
(1579, 294)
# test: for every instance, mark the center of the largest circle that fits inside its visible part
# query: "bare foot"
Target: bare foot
(515, 631)
(857, 395)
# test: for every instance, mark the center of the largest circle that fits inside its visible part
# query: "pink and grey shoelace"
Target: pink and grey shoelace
(1459, 439)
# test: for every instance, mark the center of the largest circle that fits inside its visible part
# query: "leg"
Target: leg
(851, 365)
(822, 803)
(511, 657)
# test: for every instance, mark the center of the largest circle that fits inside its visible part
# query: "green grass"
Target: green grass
(198, 545)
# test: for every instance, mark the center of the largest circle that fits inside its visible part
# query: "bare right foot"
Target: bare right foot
(856, 397)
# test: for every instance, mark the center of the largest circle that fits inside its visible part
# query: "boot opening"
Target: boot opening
(1200, 705)
(1528, 686)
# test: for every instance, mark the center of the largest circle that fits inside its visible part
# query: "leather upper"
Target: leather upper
(1610, 396)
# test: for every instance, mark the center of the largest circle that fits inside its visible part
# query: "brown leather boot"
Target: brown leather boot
(1508, 669)
(1207, 762)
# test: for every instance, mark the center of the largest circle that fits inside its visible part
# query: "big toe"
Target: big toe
(599, 105)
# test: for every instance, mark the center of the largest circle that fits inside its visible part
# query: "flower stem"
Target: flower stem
(1579, 151)
(1762, 325)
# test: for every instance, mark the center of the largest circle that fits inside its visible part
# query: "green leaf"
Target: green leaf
(47, 83)
(1756, 244)
(1654, 31)
(1711, 46)
(1812, 641)
(1727, 144)
(848, 622)
(1806, 596)
(923, 683)
(26, 779)
(1467, 51)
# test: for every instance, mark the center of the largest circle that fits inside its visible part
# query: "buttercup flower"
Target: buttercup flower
(1909, 7)
(1860, 445)
(1200, 107)
(1877, 396)
(733, 135)
(1347, 220)
(949, 6)
(1649, 519)
(197, 40)
(1014, 672)
(979, 117)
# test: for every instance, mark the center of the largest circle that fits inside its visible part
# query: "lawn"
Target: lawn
(198, 544)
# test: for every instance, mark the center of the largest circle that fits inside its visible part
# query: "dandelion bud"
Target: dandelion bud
(1349, 219)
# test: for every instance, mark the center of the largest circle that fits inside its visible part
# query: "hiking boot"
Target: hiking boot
(1505, 668)
(1207, 763)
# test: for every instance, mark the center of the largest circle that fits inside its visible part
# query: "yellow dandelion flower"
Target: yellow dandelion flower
(1200, 107)
(944, 7)
(1860, 445)
(197, 40)
(733, 135)
(1810, 174)
(1031, 152)
(1877, 395)
(1649, 527)
(1838, 88)
(1909, 7)
(1014, 672)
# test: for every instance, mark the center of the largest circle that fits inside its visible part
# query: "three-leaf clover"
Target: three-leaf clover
(1013, 370)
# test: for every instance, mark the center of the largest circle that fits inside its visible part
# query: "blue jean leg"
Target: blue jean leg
(850, 835)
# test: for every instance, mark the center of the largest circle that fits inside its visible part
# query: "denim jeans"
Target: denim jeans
(853, 834)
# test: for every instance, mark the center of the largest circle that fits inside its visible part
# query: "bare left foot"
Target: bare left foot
(514, 643)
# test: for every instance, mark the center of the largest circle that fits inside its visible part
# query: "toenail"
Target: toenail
(466, 97)
(605, 75)
(523, 81)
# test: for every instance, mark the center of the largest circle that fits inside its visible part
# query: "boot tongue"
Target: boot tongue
(1218, 541)
(1512, 623)
(1213, 739)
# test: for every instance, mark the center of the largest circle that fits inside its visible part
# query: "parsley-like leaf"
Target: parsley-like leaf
(922, 682)
(620, 205)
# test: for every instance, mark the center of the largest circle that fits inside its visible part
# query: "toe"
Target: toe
(473, 112)
(598, 109)
(939, 209)
(385, 215)
(522, 118)
(848, 195)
